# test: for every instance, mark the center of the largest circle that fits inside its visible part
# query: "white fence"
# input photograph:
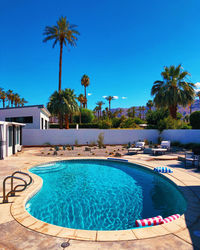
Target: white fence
(84, 136)
(111, 136)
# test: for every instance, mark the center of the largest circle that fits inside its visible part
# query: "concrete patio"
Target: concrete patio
(179, 235)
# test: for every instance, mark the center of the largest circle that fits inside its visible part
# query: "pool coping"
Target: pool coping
(20, 214)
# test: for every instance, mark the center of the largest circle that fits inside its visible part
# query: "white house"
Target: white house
(35, 116)
(10, 138)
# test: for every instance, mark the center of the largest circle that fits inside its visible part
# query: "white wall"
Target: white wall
(63, 136)
(111, 136)
(45, 118)
(182, 135)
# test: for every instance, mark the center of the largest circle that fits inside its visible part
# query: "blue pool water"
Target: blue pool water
(102, 195)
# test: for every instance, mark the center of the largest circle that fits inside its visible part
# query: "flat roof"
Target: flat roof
(12, 123)
(41, 106)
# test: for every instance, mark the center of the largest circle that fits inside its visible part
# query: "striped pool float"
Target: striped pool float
(170, 218)
(163, 170)
(149, 222)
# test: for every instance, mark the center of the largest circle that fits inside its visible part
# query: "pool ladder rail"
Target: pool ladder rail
(13, 189)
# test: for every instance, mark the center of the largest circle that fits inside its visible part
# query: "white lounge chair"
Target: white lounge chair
(139, 146)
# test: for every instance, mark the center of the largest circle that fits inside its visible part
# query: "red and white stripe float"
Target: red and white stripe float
(149, 222)
(170, 218)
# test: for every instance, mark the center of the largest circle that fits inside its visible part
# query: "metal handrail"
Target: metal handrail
(19, 172)
(5, 197)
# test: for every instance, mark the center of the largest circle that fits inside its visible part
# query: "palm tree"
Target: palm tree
(173, 90)
(16, 100)
(3, 97)
(70, 105)
(81, 99)
(140, 112)
(109, 99)
(10, 96)
(100, 104)
(22, 102)
(85, 81)
(198, 95)
(64, 33)
(56, 106)
(143, 113)
(131, 112)
(149, 104)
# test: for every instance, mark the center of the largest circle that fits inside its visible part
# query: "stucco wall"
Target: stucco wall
(182, 135)
(111, 136)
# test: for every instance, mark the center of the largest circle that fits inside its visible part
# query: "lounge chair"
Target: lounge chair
(192, 158)
(165, 144)
(139, 146)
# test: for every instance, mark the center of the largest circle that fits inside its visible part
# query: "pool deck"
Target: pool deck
(19, 230)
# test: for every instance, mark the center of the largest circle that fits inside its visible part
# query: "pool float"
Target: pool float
(149, 222)
(170, 218)
(163, 170)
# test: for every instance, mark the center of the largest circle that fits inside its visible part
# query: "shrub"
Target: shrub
(100, 140)
(128, 123)
(116, 122)
(195, 120)
(153, 117)
(87, 116)
(73, 125)
(137, 120)
(105, 124)
(170, 123)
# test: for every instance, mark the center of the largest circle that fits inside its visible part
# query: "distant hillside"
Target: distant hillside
(184, 111)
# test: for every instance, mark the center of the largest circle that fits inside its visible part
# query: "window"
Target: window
(24, 119)
(18, 134)
(46, 125)
(10, 135)
(42, 123)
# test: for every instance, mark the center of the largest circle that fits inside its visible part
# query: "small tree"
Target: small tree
(195, 120)
(100, 140)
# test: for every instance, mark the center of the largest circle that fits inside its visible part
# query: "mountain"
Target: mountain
(184, 111)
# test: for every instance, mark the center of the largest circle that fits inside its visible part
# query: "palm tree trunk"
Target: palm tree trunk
(80, 117)
(60, 66)
(173, 111)
(60, 120)
(109, 104)
(85, 104)
(3, 103)
(66, 121)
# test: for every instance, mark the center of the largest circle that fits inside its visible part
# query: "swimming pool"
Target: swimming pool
(102, 195)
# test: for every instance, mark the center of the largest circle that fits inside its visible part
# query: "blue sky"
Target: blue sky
(123, 47)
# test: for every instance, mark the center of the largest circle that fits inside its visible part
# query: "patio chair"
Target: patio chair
(139, 146)
(192, 158)
(165, 144)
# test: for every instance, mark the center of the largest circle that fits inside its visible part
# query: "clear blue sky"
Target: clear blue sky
(123, 47)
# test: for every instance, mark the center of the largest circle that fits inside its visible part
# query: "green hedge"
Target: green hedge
(73, 125)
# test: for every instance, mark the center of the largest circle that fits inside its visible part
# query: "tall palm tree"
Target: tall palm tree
(22, 102)
(100, 104)
(109, 99)
(17, 100)
(149, 104)
(3, 97)
(85, 81)
(70, 105)
(64, 33)
(10, 96)
(174, 90)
